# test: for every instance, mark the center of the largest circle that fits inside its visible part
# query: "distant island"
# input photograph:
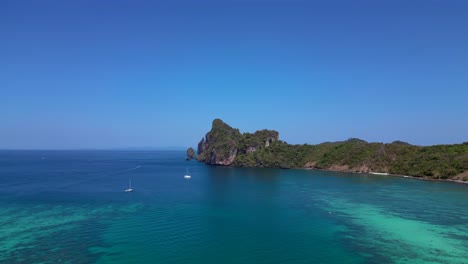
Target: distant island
(227, 146)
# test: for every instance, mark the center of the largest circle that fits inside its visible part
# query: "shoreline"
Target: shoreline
(394, 175)
(353, 172)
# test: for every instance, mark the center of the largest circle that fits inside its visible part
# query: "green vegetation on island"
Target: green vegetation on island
(226, 146)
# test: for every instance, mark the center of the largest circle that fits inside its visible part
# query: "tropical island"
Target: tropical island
(227, 146)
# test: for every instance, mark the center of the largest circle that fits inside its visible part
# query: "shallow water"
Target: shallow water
(69, 207)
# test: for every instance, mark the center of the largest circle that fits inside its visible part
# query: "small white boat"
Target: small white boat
(379, 173)
(129, 186)
(187, 175)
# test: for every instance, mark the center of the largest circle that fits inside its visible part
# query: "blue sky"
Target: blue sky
(105, 74)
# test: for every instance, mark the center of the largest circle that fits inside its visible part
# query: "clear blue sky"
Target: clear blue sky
(104, 74)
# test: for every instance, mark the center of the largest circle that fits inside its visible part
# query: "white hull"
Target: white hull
(187, 177)
(379, 173)
(129, 190)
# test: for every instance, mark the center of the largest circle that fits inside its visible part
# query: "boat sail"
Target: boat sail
(187, 175)
(129, 186)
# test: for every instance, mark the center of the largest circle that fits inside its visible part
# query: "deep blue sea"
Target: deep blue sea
(70, 207)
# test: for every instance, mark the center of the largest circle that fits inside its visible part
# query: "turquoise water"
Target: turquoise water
(69, 207)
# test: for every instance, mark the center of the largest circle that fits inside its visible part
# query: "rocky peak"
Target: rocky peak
(220, 145)
(259, 139)
(190, 153)
(223, 143)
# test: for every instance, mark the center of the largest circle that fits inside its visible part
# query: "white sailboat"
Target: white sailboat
(129, 186)
(187, 175)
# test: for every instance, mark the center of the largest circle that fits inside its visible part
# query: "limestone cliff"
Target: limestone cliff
(220, 145)
(223, 144)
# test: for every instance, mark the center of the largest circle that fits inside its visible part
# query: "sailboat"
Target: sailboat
(187, 175)
(129, 186)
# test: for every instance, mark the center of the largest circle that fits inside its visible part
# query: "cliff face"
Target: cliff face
(226, 146)
(220, 145)
(223, 144)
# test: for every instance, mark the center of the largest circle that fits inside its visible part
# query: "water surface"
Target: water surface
(69, 207)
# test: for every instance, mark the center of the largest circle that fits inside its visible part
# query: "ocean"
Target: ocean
(70, 207)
